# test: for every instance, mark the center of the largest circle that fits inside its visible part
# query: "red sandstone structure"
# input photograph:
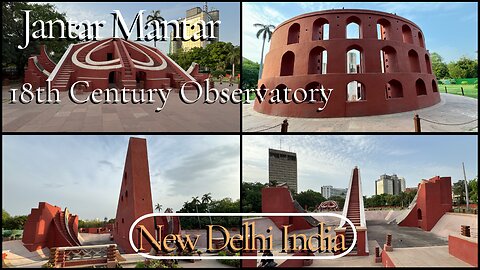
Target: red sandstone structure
(49, 226)
(354, 210)
(107, 63)
(433, 200)
(384, 69)
(135, 199)
(279, 200)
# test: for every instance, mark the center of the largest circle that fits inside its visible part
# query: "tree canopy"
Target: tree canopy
(215, 56)
(13, 33)
(249, 74)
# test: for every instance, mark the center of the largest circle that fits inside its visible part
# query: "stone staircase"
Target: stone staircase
(60, 218)
(128, 79)
(353, 212)
(62, 79)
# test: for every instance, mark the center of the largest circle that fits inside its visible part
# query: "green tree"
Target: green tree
(5, 216)
(459, 191)
(13, 33)
(250, 71)
(252, 197)
(439, 67)
(473, 190)
(196, 202)
(463, 68)
(155, 16)
(234, 58)
(339, 200)
(14, 223)
(207, 199)
(265, 33)
(309, 198)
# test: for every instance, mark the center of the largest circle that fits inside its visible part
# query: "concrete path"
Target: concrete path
(425, 257)
(450, 223)
(452, 109)
(68, 116)
(19, 256)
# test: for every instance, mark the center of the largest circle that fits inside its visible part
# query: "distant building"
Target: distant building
(193, 16)
(282, 168)
(389, 184)
(330, 191)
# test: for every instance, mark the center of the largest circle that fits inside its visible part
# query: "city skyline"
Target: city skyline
(328, 159)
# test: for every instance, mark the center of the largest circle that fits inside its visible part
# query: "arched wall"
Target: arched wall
(336, 78)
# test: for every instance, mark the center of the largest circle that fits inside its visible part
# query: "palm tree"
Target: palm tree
(196, 201)
(207, 199)
(266, 32)
(234, 58)
(155, 16)
(158, 207)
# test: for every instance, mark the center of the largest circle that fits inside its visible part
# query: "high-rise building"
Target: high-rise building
(282, 168)
(330, 191)
(389, 184)
(193, 16)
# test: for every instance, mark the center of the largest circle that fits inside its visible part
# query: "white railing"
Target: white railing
(347, 201)
(60, 63)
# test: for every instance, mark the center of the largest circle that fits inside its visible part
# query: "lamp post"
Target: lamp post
(466, 185)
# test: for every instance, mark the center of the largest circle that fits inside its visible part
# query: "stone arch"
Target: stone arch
(383, 29)
(140, 78)
(407, 34)
(112, 77)
(282, 91)
(356, 91)
(320, 29)
(414, 61)
(388, 58)
(317, 96)
(353, 28)
(420, 40)
(421, 88)
(294, 34)
(287, 65)
(354, 57)
(316, 61)
(434, 86)
(428, 63)
(393, 89)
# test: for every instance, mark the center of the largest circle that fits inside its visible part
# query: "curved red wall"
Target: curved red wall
(298, 40)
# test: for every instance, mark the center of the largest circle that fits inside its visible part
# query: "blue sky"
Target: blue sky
(329, 159)
(229, 15)
(84, 173)
(450, 28)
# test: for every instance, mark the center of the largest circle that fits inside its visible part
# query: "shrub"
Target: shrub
(440, 82)
(229, 262)
(453, 81)
(464, 82)
(475, 86)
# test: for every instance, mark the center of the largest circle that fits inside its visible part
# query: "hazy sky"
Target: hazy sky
(329, 159)
(451, 29)
(84, 173)
(229, 15)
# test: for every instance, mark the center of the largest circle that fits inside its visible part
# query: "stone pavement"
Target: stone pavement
(452, 109)
(425, 257)
(68, 116)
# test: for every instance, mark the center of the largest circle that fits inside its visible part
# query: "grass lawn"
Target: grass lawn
(455, 89)
(252, 97)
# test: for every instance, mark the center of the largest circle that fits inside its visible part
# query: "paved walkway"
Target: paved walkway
(452, 109)
(425, 257)
(68, 116)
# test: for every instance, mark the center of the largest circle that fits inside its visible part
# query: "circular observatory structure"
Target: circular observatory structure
(375, 62)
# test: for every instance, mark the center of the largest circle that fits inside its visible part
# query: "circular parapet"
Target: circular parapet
(375, 62)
